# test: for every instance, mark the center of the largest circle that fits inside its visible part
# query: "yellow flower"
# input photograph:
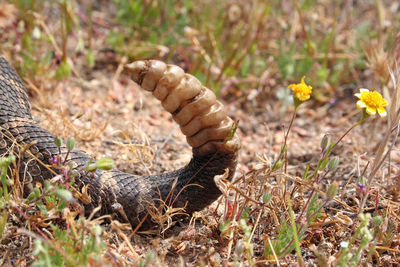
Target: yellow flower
(372, 102)
(301, 91)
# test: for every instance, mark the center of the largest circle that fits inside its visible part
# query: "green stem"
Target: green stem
(291, 123)
(295, 237)
(286, 137)
(4, 179)
(3, 221)
(363, 118)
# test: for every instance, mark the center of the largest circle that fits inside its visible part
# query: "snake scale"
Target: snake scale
(129, 197)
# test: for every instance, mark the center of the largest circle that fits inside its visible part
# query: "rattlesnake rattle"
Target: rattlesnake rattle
(200, 116)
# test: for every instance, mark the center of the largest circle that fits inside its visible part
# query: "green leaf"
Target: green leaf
(267, 197)
(42, 208)
(333, 163)
(58, 141)
(91, 167)
(30, 197)
(63, 71)
(91, 59)
(105, 164)
(70, 143)
(65, 195)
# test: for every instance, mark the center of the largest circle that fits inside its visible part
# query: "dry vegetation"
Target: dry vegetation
(303, 195)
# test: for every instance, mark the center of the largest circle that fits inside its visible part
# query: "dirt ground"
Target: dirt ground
(108, 115)
(111, 116)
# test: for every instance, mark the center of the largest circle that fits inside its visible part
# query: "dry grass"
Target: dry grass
(248, 52)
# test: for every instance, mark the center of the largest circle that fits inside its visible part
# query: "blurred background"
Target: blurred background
(70, 55)
(237, 48)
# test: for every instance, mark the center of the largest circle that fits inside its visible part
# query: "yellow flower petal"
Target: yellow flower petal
(381, 112)
(371, 111)
(301, 90)
(372, 102)
(360, 104)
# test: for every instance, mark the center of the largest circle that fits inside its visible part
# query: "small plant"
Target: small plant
(351, 253)
(289, 238)
(4, 191)
(81, 244)
(81, 241)
(72, 243)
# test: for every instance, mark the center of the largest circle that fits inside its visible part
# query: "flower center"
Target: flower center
(372, 99)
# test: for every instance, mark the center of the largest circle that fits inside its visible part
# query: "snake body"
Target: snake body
(129, 197)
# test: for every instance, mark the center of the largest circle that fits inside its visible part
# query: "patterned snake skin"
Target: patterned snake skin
(125, 195)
